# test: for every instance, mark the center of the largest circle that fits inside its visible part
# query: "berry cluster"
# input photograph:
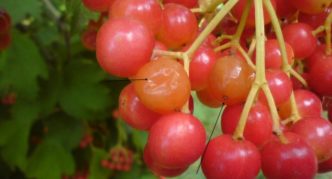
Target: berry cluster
(5, 24)
(85, 141)
(9, 99)
(268, 61)
(120, 159)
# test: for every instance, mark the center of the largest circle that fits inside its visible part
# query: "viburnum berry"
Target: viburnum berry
(133, 112)
(230, 80)
(292, 158)
(5, 22)
(178, 26)
(166, 88)
(258, 128)
(170, 137)
(98, 5)
(225, 157)
(148, 12)
(318, 133)
(123, 46)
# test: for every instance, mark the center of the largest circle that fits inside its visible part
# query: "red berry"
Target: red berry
(133, 112)
(294, 159)
(124, 46)
(225, 157)
(170, 138)
(318, 133)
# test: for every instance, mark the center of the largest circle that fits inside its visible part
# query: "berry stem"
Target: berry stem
(252, 47)
(186, 63)
(285, 66)
(243, 21)
(318, 30)
(246, 56)
(209, 28)
(328, 23)
(223, 47)
(158, 52)
(260, 69)
(55, 13)
(238, 133)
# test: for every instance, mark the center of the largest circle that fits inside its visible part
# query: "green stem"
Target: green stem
(286, 67)
(243, 21)
(178, 55)
(238, 133)
(273, 109)
(260, 69)
(223, 47)
(186, 63)
(246, 56)
(212, 24)
(260, 42)
(252, 47)
(318, 30)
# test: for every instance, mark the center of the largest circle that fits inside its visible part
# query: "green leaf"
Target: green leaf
(139, 139)
(50, 160)
(82, 94)
(23, 67)
(134, 172)
(14, 133)
(64, 130)
(16, 147)
(18, 9)
(207, 116)
(96, 170)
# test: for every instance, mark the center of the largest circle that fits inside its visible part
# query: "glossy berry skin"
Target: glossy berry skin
(294, 159)
(329, 110)
(133, 112)
(280, 86)
(273, 57)
(158, 170)
(325, 166)
(320, 72)
(299, 36)
(239, 8)
(308, 105)
(147, 11)
(225, 157)
(98, 5)
(123, 46)
(205, 96)
(177, 140)
(284, 9)
(178, 27)
(311, 6)
(258, 128)
(187, 3)
(201, 66)
(167, 87)
(314, 20)
(318, 133)
(5, 22)
(230, 80)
